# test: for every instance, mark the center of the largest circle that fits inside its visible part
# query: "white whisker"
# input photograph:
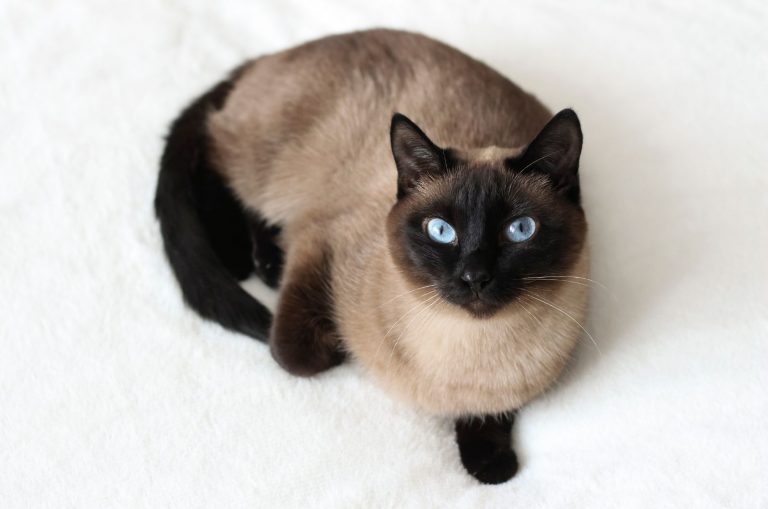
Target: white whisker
(433, 295)
(533, 296)
(598, 283)
(405, 329)
(555, 280)
(404, 294)
(580, 280)
(535, 318)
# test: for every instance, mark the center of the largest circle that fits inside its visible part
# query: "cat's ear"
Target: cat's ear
(415, 154)
(555, 152)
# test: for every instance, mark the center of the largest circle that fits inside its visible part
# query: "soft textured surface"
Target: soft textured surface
(113, 394)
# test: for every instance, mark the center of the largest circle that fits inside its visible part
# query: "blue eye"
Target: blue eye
(440, 231)
(521, 229)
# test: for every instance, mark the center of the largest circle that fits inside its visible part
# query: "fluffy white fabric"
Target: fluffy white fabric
(113, 394)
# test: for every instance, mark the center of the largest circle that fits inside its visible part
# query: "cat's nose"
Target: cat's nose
(476, 278)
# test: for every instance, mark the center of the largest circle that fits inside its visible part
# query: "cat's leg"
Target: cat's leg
(304, 339)
(267, 254)
(485, 447)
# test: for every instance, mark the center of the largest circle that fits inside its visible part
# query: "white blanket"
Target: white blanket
(113, 394)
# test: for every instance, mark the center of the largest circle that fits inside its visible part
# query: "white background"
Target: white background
(113, 394)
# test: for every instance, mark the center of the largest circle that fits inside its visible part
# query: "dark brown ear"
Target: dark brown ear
(555, 152)
(415, 154)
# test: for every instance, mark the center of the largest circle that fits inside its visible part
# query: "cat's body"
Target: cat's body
(302, 138)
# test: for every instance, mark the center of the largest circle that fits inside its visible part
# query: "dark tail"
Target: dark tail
(204, 227)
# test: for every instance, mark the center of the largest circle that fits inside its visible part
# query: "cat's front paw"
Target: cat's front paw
(485, 447)
(496, 468)
(304, 357)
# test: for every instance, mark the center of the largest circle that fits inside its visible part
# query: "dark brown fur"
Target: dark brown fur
(304, 339)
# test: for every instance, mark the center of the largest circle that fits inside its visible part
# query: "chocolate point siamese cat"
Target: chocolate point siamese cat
(437, 249)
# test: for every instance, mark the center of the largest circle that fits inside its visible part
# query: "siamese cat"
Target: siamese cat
(438, 249)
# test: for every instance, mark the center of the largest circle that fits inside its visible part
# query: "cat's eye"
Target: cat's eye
(440, 231)
(521, 229)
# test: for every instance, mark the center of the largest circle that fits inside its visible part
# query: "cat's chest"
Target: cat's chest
(456, 350)
(469, 366)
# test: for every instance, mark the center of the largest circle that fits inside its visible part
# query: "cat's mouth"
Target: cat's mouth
(479, 306)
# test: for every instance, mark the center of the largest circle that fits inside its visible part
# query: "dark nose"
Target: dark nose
(476, 278)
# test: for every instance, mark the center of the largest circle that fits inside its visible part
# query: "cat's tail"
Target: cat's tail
(204, 227)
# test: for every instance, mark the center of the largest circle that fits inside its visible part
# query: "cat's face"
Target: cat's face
(477, 229)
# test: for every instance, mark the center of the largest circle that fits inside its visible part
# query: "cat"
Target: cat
(437, 250)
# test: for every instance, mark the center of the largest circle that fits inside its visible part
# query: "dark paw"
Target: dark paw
(485, 447)
(304, 344)
(304, 338)
(496, 468)
(301, 359)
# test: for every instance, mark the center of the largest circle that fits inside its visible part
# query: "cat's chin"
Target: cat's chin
(480, 308)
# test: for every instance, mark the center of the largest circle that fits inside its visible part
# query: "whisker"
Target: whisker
(433, 295)
(555, 280)
(427, 320)
(535, 318)
(533, 296)
(598, 283)
(406, 293)
(405, 329)
(583, 280)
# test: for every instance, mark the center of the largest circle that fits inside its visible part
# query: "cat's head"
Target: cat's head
(477, 223)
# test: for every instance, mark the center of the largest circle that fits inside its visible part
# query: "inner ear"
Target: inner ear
(415, 154)
(555, 152)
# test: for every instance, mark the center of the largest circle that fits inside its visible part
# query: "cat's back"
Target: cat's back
(313, 120)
